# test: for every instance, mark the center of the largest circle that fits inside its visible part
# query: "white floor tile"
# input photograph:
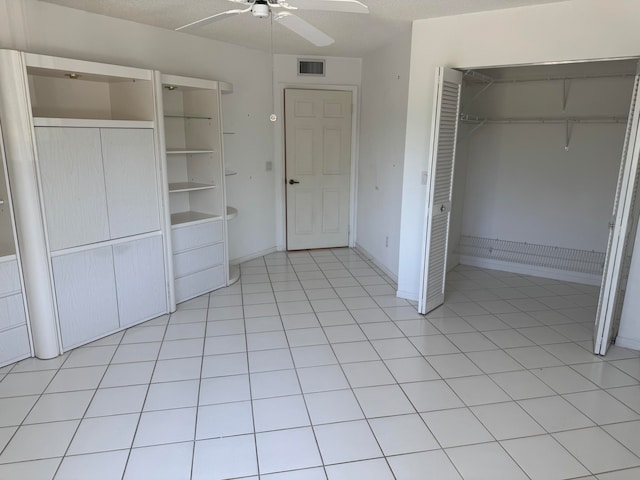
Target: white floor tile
(136, 352)
(630, 474)
(268, 360)
(263, 324)
(55, 407)
(307, 474)
(224, 389)
(627, 434)
(346, 442)
(456, 427)
(355, 352)
(522, 384)
(487, 461)
(344, 333)
(143, 334)
(402, 434)
(630, 396)
(165, 426)
(127, 374)
(368, 374)
(383, 401)
(117, 401)
(433, 395)
(454, 365)
(376, 469)
(564, 379)
(224, 420)
(434, 345)
(265, 340)
(604, 375)
(601, 407)
(223, 365)
(414, 369)
(225, 327)
(274, 384)
(313, 356)
(90, 356)
(102, 434)
(322, 379)
(280, 413)
(299, 320)
(284, 450)
(177, 369)
(494, 361)
(543, 458)
(597, 450)
(223, 458)
(162, 396)
(14, 410)
(555, 414)
(424, 465)
(226, 344)
(304, 337)
(507, 420)
(477, 390)
(334, 406)
(84, 378)
(98, 466)
(192, 347)
(33, 470)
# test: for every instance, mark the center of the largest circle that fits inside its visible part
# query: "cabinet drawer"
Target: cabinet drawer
(14, 345)
(12, 311)
(9, 278)
(197, 259)
(198, 283)
(194, 236)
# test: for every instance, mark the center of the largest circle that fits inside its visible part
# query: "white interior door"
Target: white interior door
(439, 188)
(318, 167)
(621, 235)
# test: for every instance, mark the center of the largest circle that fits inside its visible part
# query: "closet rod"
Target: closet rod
(535, 120)
(481, 78)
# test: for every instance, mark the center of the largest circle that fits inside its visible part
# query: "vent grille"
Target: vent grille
(313, 68)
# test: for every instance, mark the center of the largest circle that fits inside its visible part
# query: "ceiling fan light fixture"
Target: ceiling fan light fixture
(260, 9)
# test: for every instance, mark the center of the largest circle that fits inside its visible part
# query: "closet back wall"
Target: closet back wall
(37, 27)
(522, 185)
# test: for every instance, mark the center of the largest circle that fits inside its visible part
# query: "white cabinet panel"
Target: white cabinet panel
(9, 278)
(199, 283)
(86, 295)
(70, 161)
(130, 178)
(12, 311)
(140, 280)
(194, 236)
(198, 259)
(14, 345)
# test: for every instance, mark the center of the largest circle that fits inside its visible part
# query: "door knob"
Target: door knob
(293, 182)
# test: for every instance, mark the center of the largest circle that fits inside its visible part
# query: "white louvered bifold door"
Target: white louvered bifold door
(439, 188)
(622, 233)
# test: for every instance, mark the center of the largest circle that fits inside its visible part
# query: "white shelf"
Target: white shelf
(189, 187)
(189, 117)
(191, 217)
(231, 212)
(178, 151)
(90, 122)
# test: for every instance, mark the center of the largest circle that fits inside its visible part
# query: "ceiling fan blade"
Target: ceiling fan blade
(213, 18)
(304, 29)
(347, 6)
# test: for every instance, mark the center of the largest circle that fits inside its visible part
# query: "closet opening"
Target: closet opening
(537, 175)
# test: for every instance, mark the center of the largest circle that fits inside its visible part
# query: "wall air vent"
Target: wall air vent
(313, 68)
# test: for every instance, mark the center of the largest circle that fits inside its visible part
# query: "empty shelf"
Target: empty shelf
(189, 187)
(190, 217)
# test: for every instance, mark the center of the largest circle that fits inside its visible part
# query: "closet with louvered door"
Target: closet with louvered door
(190, 112)
(95, 135)
(15, 341)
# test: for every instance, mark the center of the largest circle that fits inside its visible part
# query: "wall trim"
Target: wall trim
(252, 256)
(625, 342)
(364, 252)
(568, 276)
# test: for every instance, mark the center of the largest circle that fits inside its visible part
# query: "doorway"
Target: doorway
(318, 125)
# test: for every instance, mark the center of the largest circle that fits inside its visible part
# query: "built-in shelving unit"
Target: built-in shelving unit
(14, 331)
(104, 234)
(190, 111)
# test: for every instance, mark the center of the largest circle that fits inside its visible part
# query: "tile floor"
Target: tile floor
(310, 368)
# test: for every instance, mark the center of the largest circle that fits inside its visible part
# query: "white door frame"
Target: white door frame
(279, 158)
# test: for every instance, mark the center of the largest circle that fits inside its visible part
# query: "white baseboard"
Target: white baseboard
(576, 277)
(453, 261)
(632, 343)
(375, 261)
(253, 256)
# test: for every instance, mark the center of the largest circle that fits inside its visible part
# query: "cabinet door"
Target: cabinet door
(86, 294)
(14, 345)
(70, 161)
(130, 176)
(12, 311)
(140, 280)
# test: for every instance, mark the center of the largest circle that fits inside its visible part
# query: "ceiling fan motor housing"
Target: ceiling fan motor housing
(260, 9)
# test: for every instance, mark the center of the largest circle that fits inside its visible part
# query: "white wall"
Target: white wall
(573, 30)
(44, 28)
(629, 333)
(522, 185)
(385, 84)
(341, 73)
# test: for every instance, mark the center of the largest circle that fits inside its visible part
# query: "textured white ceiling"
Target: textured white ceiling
(355, 34)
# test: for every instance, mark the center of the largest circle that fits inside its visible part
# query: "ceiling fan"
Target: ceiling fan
(281, 11)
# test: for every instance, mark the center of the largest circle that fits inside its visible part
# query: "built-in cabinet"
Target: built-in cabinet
(196, 183)
(14, 332)
(119, 201)
(99, 170)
